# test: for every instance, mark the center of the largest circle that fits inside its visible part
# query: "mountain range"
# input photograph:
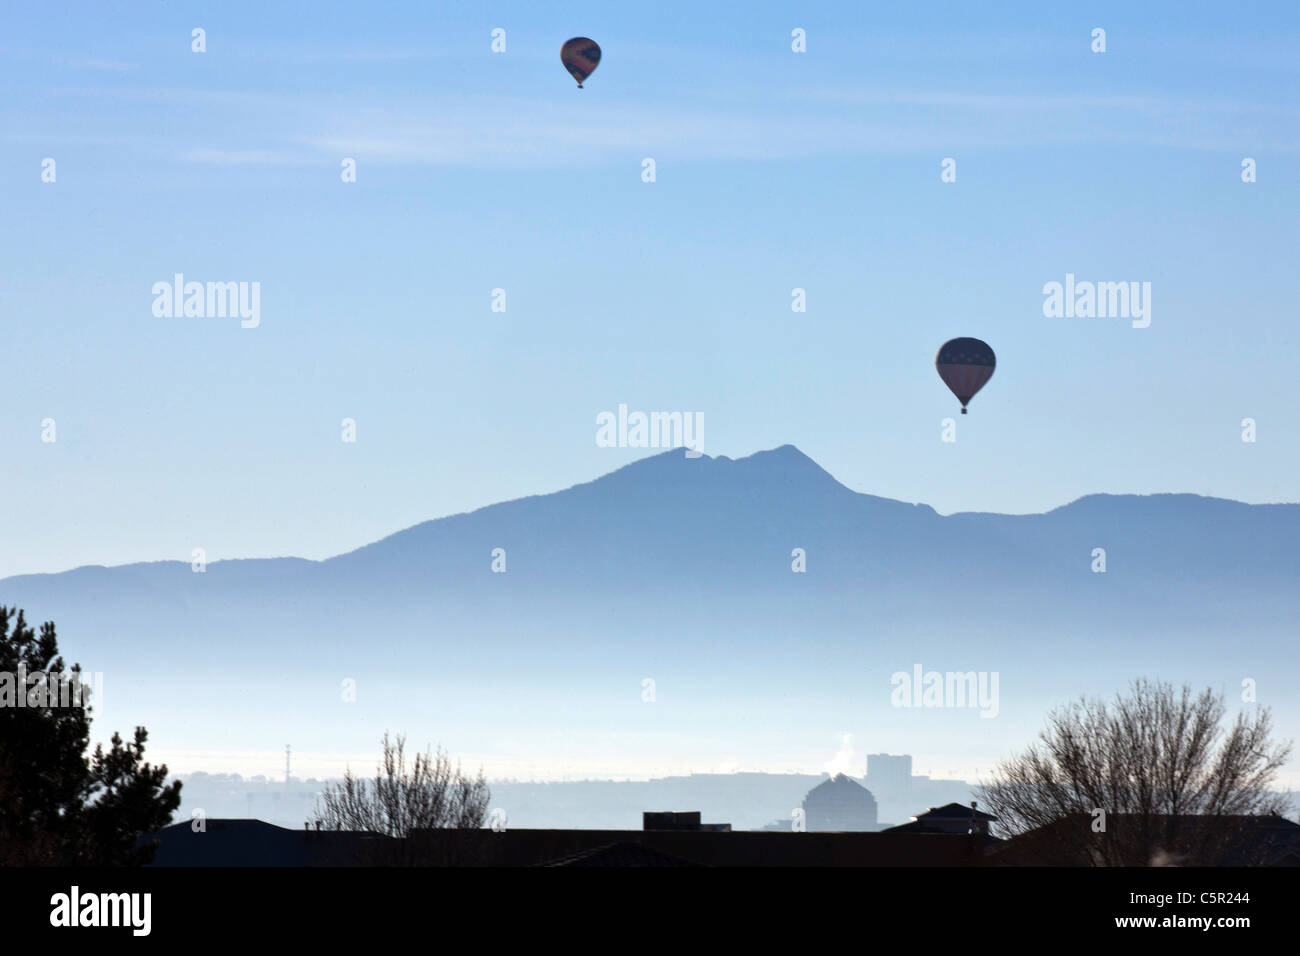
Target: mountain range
(679, 571)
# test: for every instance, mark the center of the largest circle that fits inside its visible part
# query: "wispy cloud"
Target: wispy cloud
(242, 157)
(488, 130)
(1044, 102)
(492, 131)
(96, 63)
(308, 56)
(501, 131)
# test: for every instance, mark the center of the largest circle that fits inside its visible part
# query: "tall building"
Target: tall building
(839, 803)
(888, 773)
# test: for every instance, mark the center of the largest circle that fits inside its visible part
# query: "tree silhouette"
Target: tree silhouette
(430, 795)
(1152, 777)
(58, 807)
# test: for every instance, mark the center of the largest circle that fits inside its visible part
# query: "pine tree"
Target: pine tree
(57, 806)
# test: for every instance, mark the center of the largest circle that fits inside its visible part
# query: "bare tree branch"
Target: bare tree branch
(430, 794)
(1172, 782)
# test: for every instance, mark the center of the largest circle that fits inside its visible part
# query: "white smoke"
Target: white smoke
(842, 762)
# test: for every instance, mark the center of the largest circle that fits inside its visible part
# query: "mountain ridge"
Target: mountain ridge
(785, 462)
(762, 596)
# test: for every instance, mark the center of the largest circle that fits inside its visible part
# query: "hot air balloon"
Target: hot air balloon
(965, 365)
(580, 57)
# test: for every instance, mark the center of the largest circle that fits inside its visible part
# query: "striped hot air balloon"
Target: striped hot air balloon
(580, 57)
(965, 365)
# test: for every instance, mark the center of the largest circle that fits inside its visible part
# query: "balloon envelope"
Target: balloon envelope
(965, 365)
(580, 57)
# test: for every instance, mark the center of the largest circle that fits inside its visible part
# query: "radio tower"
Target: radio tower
(286, 766)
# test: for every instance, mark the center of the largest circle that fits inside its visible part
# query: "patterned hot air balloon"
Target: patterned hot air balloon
(580, 57)
(965, 365)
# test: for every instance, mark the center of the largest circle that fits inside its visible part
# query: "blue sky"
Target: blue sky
(775, 170)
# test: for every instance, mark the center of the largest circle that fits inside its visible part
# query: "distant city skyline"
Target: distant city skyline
(747, 800)
(327, 765)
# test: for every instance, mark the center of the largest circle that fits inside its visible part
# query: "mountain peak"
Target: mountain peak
(784, 465)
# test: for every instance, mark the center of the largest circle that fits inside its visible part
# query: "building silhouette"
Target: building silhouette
(890, 773)
(839, 803)
(678, 820)
(949, 818)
